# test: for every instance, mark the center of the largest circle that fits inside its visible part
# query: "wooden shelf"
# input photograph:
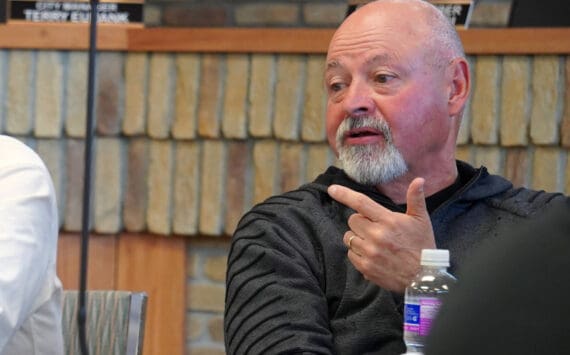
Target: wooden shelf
(234, 40)
(61, 36)
(517, 41)
(256, 40)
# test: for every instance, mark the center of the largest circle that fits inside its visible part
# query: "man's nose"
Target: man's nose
(358, 99)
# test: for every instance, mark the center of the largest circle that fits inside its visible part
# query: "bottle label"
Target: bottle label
(418, 317)
(428, 311)
(412, 318)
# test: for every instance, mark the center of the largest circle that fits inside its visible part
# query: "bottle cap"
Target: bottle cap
(435, 257)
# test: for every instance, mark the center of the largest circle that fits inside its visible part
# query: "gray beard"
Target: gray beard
(369, 164)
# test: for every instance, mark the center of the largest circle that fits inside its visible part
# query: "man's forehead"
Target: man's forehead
(377, 59)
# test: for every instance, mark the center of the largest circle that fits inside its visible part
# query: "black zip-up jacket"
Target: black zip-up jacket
(290, 288)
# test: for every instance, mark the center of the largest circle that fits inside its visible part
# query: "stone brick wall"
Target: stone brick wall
(224, 13)
(206, 292)
(281, 13)
(186, 143)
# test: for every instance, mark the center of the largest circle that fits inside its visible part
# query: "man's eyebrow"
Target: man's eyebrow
(333, 64)
(385, 58)
(381, 59)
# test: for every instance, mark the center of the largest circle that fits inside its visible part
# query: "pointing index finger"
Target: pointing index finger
(359, 202)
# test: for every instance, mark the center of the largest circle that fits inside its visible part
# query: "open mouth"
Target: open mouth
(363, 136)
(363, 132)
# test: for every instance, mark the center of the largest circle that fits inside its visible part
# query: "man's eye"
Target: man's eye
(383, 78)
(334, 87)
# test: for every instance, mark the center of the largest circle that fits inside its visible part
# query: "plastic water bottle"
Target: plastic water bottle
(424, 296)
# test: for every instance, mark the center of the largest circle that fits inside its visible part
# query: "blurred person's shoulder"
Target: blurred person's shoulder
(15, 152)
(510, 297)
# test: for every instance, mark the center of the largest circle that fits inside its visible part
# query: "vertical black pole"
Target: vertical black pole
(87, 182)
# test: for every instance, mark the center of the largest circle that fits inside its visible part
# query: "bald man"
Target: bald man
(322, 269)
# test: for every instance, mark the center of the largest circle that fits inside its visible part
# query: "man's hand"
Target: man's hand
(386, 246)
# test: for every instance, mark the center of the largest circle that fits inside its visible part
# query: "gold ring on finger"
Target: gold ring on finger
(350, 241)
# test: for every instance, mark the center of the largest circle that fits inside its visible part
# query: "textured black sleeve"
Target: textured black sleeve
(275, 303)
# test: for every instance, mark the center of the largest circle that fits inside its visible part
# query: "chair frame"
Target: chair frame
(133, 320)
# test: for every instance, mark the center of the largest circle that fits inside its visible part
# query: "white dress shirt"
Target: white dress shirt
(30, 292)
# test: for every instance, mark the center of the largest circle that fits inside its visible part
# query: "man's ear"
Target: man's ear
(459, 85)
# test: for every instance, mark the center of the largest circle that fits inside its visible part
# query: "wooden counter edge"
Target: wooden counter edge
(257, 40)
